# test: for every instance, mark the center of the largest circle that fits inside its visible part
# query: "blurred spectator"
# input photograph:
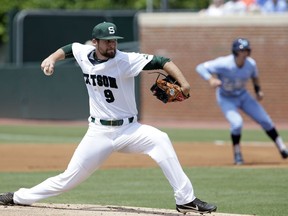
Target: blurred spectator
(215, 8)
(235, 7)
(261, 2)
(274, 6)
(252, 6)
(249, 2)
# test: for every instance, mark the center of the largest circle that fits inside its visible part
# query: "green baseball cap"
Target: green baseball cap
(105, 31)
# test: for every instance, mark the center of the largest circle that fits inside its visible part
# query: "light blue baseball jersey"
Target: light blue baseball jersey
(233, 78)
(232, 94)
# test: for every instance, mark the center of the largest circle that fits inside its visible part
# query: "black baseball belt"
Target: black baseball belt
(117, 122)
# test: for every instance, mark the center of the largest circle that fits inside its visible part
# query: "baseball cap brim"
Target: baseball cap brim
(110, 38)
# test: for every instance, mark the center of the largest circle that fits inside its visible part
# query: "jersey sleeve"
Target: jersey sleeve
(156, 63)
(255, 71)
(68, 51)
(137, 62)
(206, 69)
(79, 49)
(213, 66)
(203, 72)
(76, 48)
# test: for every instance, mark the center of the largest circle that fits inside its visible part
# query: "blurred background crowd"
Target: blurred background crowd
(222, 7)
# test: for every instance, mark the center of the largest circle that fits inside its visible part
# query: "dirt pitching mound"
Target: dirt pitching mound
(87, 210)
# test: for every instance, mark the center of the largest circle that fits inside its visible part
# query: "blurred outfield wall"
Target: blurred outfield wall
(188, 39)
(26, 93)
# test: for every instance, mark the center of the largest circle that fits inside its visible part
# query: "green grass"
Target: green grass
(73, 134)
(234, 190)
(244, 190)
(41, 134)
(210, 135)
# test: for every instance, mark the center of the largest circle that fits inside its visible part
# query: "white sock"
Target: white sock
(280, 144)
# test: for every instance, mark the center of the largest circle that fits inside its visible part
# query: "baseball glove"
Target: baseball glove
(167, 89)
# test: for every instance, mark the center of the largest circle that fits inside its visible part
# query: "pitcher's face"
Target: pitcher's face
(106, 48)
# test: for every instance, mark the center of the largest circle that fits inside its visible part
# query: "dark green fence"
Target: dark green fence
(25, 92)
(36, 33)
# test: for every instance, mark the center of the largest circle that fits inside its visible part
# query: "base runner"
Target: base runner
(229, 75)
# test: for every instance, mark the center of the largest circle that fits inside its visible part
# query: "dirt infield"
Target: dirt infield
(16, 157)
(87, 210)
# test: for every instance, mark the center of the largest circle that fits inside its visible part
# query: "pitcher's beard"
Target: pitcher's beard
(110, 54)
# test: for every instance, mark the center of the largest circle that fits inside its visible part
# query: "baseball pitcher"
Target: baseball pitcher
(108, 74)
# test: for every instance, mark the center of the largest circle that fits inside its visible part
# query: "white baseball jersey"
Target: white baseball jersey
(111, 84)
